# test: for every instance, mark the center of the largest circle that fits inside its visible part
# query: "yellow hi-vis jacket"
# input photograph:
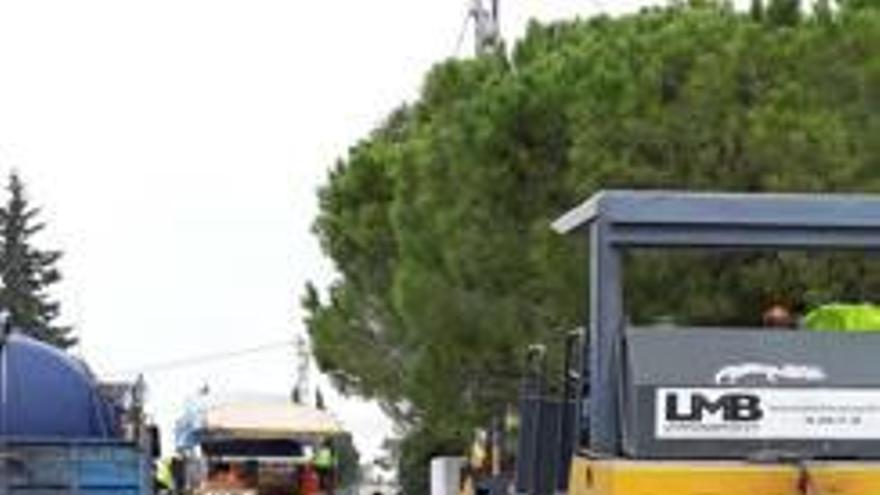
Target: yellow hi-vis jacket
(844, 318)
(324, 458)
(163, 474)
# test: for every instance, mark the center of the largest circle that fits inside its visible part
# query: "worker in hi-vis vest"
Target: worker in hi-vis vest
(844, 318)
(163, 477)
(325, 463)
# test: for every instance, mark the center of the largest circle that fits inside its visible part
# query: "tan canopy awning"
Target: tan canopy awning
(269, 420)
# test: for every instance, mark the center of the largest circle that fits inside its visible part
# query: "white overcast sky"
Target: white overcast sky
(176, 146)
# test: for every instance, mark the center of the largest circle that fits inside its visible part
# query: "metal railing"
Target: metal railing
(548, 422)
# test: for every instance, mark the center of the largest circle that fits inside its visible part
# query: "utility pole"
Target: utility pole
(301, 388)
(487, 33)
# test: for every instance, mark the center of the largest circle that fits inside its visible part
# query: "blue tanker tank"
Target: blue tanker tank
(46, 393)
(57, 430)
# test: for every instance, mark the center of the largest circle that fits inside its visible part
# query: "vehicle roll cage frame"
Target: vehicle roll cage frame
(615, 221)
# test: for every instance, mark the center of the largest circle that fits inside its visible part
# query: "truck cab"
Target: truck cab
(255, 447)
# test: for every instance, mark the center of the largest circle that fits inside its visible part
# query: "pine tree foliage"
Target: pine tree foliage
(28, 272)
(784, 12)
(757, 10)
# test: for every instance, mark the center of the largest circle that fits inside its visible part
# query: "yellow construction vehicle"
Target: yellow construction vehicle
(712, 411)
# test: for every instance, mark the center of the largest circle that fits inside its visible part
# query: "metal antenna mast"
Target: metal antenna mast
(303, 361)
(487, 32)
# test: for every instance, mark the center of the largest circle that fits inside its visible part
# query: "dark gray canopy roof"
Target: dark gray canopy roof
(675, 207)
(676, 218)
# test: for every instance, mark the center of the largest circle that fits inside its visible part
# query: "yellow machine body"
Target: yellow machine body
(631, 477)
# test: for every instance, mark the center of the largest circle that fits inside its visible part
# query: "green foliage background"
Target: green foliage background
(438, 222)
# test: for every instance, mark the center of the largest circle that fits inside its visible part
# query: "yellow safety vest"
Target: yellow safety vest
(163, 474)
(323, 458)
(844, 318)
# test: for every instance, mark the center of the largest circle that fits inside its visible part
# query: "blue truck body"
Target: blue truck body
(63, 433)
(76, 467)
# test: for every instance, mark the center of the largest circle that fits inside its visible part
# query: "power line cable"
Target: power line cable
(461, 33)
(197, 360)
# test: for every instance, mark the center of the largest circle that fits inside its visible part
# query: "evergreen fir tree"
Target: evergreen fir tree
(27, 272)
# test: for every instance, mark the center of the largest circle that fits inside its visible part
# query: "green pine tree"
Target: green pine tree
(784, 12)
(757, 10)
(860, 4)
(27, 272)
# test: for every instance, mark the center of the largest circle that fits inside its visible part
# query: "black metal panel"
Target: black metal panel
(544, 446)
(567, 438)
(571, 395)
(741, 361)
(549, 448)
(527, 444)
(254, 448)
(693, 356)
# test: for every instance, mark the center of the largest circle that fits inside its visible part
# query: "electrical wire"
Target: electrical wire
(198, 360)
(461, 33)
